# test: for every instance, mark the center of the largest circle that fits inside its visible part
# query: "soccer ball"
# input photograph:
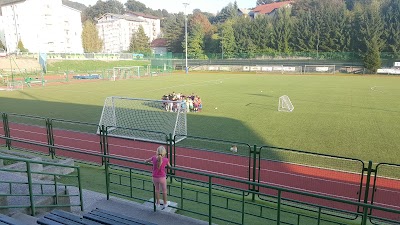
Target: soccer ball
(234, 148)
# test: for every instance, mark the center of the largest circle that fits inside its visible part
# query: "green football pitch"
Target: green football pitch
(351, 116)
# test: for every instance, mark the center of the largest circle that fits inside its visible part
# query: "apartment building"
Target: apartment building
(42, 26)
(116, 30)
(152, 25)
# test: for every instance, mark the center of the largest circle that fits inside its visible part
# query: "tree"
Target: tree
(391, 19)
(175, 32)
(227, 37)
(228, 12)
(282, 23)
(91, 41)
(321, 25)
(21, 46)
(263, 2)
(2, 46)
(135, 6)
(100, 8)
(368, 38)
(245, 46)
(140, 43)
(262, 29)
(372, 59)
(196, 42)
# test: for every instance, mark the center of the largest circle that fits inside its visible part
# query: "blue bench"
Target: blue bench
(112, 218)
(57, 217)
(6, 220)
(96, 217)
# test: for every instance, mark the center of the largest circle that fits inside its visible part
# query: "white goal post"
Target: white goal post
(123, 73)
(321, 69)
(144, 119)
(285, 105)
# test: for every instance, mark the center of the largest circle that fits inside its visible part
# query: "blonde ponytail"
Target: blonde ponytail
(161, 152)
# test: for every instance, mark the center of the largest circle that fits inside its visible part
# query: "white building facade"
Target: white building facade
(42, 26)
(152, 25)
(116, 30)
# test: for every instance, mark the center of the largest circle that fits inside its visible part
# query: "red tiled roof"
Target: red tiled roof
(268, 8)
(159, 42)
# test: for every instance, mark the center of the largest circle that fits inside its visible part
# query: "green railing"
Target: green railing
(38, 189)
(130, 179)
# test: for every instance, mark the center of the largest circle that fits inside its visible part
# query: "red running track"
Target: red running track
(326, 182)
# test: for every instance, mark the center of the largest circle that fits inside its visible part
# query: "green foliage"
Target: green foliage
(91, 41)
(391, 19)
(368, 39)
(263, 2)
(226, 13)
(2, 46)
(282, 24)
(196, 42)
(175, 35)
(372, 59)
(102, 7)
(140, 43)
(321, 25)
(136, 6)
(21, 46)
(227, 37)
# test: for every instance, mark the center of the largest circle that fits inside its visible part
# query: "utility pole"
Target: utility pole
(186, 41)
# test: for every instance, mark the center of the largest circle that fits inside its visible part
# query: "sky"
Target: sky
(175, 6)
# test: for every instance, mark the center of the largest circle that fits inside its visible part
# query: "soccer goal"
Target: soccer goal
(285, 105)
(321, 69)
(123, 73)
(144, 119)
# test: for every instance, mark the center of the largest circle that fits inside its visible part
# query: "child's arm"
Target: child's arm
(148, 160)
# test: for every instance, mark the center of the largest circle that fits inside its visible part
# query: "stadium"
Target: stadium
(282, 138)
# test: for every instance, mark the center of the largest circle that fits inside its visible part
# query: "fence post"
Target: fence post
(50, 137)
(80, 188)
(104, 143)
(6, 128)
(210, 200)
(366, 195)
(29, 174)
(253, 187)
(171, 156)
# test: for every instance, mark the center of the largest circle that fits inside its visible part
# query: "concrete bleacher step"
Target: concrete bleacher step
(23, 189)
(170, 209)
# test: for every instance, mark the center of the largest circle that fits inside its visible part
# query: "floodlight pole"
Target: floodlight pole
(186, 40)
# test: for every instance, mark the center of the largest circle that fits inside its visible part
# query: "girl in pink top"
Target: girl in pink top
(159, 174)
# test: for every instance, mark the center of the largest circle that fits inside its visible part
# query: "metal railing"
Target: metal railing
(37, 189)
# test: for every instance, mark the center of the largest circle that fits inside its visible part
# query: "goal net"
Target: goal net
(285, 105)
(123, 73)
(144, 119)
(321, 69)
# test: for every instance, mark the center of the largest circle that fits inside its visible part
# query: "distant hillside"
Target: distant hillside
(75, 5)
